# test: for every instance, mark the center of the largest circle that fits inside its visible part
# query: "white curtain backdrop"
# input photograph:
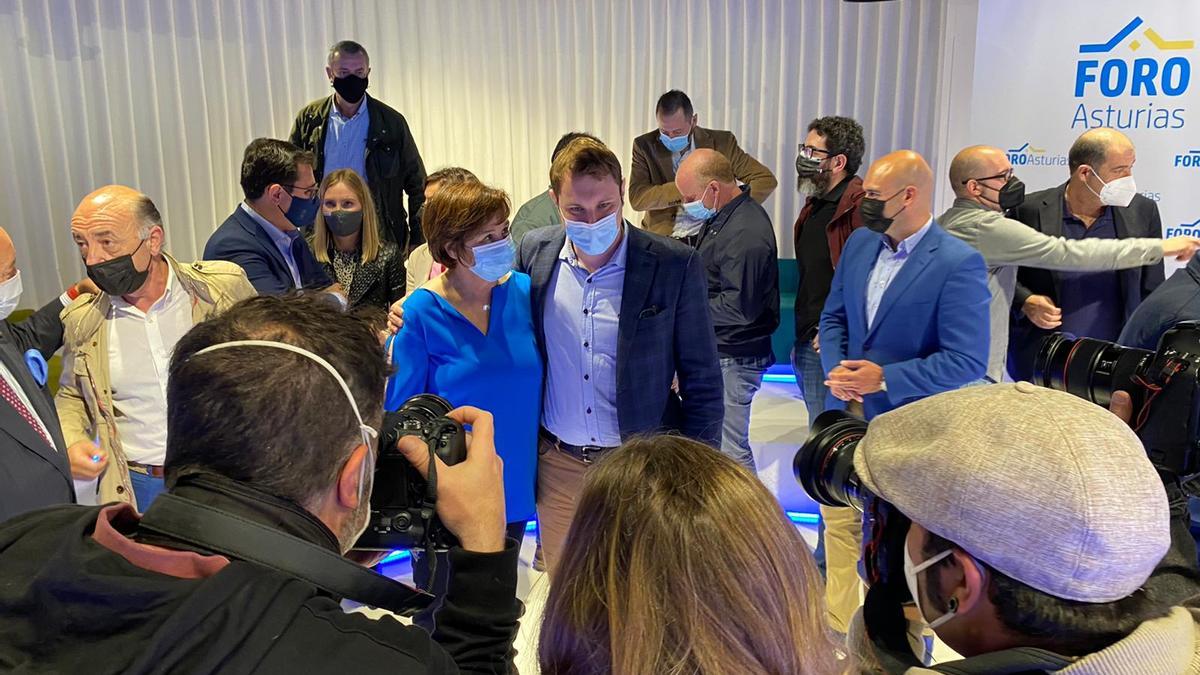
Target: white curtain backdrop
(163, 95)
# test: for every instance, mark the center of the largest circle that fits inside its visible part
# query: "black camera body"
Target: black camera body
(824, 467)
(402, 502)
(1164, 386)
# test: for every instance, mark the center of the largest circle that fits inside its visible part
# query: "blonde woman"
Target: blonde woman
(680, 561)
(345, 240)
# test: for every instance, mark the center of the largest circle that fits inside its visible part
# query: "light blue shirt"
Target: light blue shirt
(283, 241)
(346, 140)
(887, 266)
(579, 405)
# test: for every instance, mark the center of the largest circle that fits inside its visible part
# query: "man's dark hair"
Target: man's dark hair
(271, 418)
(1067, 627)
(1087, 149)
(268, 161)
(566, 140)
(347, 47)
(843, 136)
(673, 101)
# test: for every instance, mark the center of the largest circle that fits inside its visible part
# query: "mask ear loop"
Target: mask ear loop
(367, 432)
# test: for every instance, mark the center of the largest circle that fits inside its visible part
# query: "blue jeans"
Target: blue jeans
(145, 489)
(810, 377)
(743, 377)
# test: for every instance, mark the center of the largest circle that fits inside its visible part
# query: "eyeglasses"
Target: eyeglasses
(308, 192)
(1003, 174)
(808, 150)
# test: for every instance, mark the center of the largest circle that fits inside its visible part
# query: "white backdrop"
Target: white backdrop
(163, 95)
(1043, 75)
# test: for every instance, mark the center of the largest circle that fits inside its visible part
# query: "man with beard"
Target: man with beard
(825, 171)
(351, 130)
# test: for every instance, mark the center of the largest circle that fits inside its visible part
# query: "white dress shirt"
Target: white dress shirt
(16, 386)
(139, 353)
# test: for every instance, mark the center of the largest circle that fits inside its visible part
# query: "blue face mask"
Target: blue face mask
(697, 210)
(676, 144)
(594, 238)
(494, 260)
(302, 212)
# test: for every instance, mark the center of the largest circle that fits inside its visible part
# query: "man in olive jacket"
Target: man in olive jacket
(657, 155)
(351, 130)
(112, 396)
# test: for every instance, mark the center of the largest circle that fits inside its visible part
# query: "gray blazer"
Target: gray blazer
(1007, 244)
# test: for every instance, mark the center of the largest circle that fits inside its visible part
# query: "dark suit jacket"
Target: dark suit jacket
(664, 329)
(33, 475)
(930, 332)
(241, 240)
(652, 176)
(1178, 299)
(1043, 211)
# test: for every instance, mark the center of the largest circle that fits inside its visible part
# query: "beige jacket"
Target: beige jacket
(84, 399)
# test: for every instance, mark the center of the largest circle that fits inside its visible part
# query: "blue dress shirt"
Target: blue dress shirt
(887, 266)
(346, 141)
(440, 351)
(581, 317)
(284, 241)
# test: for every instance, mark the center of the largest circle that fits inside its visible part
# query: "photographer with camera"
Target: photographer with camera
(1025, 523)
(273, 410)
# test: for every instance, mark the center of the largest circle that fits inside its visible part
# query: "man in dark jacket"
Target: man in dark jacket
(737, 245)
(1099, 201)
(1178, 299)
(180, 588)
(825, 168)
(352, 130)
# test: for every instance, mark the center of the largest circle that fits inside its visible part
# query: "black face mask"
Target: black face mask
(344, 223)
(871, 211)
(1012, 194)
(351, 87)
(807, 167)
(118, 276)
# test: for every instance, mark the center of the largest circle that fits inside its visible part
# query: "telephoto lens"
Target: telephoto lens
(824, 465)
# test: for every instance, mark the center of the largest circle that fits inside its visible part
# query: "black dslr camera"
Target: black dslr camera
(402, 502)
(824, 467)
(1164, 386)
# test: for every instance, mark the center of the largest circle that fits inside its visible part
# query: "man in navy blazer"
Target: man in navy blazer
(262, 234)
(906, 318)
(619, 314)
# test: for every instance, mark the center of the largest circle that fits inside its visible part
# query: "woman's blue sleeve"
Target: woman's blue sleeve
(410, 359)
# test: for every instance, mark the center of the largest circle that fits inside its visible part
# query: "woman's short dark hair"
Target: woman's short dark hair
(268, 161)
(1068, 627)
(267, 417)
(455, 213)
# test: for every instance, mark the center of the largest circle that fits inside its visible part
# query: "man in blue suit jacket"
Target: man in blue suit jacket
(262, 235)
(906, 318)
(619, 314)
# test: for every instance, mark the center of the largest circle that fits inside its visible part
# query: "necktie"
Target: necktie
(10, 395)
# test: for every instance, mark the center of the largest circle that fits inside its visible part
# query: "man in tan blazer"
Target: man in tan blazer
(656, 157)
(112, 398)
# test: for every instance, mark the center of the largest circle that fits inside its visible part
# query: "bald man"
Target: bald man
(906, 318)
(985, 188)
(1098, 201)
(737, 244)
(112, 398)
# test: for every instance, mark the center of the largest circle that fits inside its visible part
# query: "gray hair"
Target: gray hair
(147, 216)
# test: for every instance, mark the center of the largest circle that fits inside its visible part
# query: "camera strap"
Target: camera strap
(211, 529)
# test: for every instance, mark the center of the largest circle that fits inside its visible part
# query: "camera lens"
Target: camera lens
(426, 407)
(824, 465)
(1087, 368)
